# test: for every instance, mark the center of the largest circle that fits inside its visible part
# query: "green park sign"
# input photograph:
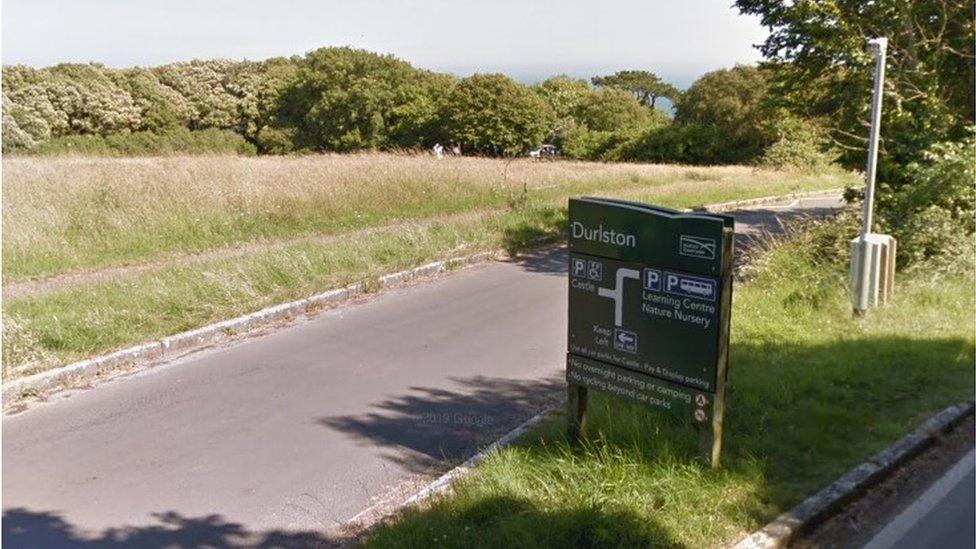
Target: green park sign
(649, 303)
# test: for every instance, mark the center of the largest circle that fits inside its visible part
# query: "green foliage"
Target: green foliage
(731, 101)
(14, 137)
(676, 143)
(645, 86)
(492, 113)
(590, 123)
(799, 144)
(820, 68)
(610, 109)
(172, 142)
(345, 99)
(204, 85)
(565, 95)
(934, 216)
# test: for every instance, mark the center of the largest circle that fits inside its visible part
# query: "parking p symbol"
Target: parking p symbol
(652, 279)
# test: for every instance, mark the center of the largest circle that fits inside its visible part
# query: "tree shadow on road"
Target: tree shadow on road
(428, 426)
(48, 530)
(550, 260)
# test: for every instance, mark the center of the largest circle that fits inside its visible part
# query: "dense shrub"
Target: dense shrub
(176, 141)
(935, 213)
(675, 143)
(798, 144)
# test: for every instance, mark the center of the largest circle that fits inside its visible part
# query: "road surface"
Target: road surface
(941, 518)
(282, 438)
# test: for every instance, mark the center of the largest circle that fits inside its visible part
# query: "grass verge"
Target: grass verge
(812, 393)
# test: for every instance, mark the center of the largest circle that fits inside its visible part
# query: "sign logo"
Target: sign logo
(690, 286)
(696, 246)
(700, 400)
(624, 340)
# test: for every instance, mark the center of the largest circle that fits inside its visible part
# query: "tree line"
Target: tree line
(344, 99)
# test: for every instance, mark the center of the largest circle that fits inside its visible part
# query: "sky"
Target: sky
(529, 40)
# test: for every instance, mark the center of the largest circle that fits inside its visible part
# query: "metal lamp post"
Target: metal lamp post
(872, 255)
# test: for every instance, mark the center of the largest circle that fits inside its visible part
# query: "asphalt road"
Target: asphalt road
(282, 438)
(941, 518)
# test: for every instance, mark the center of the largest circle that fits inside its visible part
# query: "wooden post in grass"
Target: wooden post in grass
(576, 401)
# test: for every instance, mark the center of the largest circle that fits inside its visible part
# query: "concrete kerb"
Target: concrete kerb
(445, 481)
(170, 347)
(813, 510)
(726, 206)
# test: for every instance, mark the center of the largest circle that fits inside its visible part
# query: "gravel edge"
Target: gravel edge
(813, 510)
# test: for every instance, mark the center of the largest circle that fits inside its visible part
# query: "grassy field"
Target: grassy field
(102, 253)
(812, 393)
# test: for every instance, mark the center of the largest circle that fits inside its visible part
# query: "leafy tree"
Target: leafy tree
(610, 109)
(161, 108)
(258, 88)
(492, 113)
(564, 94)
(14, 137)
(646, 86)
(345, 99)
(675, 143)
(91, 102)
(733, 101)
(204, 85)
(820, 69)
(423, 120)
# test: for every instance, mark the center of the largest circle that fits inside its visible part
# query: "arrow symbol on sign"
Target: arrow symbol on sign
(617, 293)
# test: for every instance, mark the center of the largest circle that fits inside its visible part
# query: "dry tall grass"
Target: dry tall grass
(67, 214)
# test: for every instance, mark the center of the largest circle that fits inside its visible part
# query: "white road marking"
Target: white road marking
(908, 518)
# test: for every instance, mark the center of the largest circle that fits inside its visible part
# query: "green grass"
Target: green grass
(405, 222)
(812, 393)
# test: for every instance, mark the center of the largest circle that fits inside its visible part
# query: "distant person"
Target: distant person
(438, 151)
(456, 149)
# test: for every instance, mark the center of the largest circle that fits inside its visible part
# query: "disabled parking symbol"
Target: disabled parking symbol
(595, 271)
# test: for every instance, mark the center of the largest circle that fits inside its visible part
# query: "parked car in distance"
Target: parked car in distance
(545, 152)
